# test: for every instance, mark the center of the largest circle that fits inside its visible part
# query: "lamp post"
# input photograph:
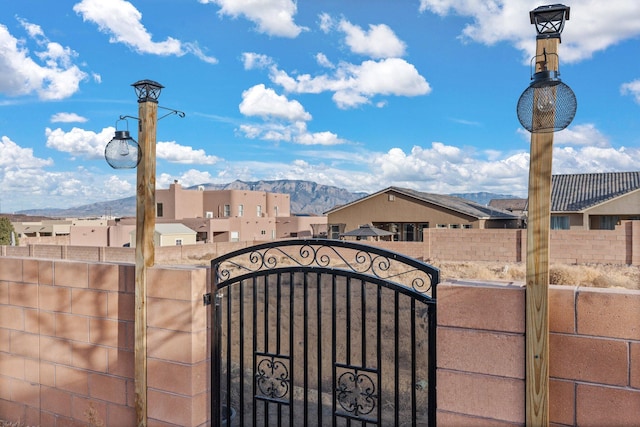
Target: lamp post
(546, 106)
(122, 152)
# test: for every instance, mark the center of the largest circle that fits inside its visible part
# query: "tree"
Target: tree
(6, 228)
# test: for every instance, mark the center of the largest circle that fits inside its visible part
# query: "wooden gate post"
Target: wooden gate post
(539, 223)
(145, 227)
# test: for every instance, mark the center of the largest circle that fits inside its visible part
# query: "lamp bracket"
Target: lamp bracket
(543, 63)
(178, 113)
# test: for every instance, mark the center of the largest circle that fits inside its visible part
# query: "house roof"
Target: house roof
(457, 204)
(509, 204)
(577, 192)
(173, 228)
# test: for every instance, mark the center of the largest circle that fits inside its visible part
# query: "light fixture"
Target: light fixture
(122, 152)
(147, 90)
(547, 105)
(549, 20)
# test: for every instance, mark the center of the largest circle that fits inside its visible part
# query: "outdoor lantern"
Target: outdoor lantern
(147, 90)
(547, 105)
(122, 152)
(549, 20)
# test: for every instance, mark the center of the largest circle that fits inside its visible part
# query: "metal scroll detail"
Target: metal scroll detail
(356, 392)
(272, 377)
(351, 258)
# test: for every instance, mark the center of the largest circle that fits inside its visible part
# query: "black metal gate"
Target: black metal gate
(323, 332)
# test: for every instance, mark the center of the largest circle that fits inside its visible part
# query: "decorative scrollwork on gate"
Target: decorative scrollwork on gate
(338, 255)
(272, 376)
(356, 392)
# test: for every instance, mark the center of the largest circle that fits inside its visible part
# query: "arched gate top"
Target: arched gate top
(339, 256)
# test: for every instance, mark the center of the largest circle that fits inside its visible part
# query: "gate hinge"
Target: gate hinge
(206, 299)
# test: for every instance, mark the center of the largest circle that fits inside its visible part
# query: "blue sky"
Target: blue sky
(357, 94)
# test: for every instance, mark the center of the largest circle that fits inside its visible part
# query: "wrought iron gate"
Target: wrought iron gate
(322, 332)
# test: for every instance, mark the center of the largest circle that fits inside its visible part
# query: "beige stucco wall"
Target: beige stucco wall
(380, 208)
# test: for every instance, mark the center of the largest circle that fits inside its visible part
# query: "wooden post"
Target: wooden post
(145, 252)
(537, 275)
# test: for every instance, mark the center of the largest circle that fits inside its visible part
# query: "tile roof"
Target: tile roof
(576, 192)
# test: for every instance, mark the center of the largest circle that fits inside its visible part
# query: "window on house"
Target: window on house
(235, 236)
(609, 222)
(259, 211)
(442, 226)
(240, 210)
(276, 210)
(263, 232)
(227, 210)
(559, 222)
(409, 234)
(454, 225)
(467, 226)
(159, 210)
(391, 198)
(334, 232)
(178, 242)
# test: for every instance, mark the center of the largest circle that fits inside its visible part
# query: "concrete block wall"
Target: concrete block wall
(66, 347)
(67, 339)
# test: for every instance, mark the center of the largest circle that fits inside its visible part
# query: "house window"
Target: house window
(240, 210)
(276, 210)
(608, 222)
(259, 211)
(263, 232)
(334, 232)
(467, 226)
(454, 225)
(235, 236)
(442, 226)
(159, 210)
(178, 242)
(559, 222)
(227, 210)
(409, 235)
(391, 198)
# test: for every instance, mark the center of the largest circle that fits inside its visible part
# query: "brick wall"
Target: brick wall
(594, 355)
(66, 346)
(67, 338)
(619, 246)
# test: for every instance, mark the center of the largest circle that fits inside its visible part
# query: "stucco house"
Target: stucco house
(169, 235)
(406, 213)
(594, 201)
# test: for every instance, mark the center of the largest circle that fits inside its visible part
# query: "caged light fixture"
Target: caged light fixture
(122, 152)
(548, 104)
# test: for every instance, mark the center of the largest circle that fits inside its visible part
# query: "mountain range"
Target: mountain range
(307, 197)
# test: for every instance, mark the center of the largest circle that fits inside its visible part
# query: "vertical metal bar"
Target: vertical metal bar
(363, 317)
(265, 344)
(414, 365)
(319, 345)
(216, 321)
(242, 367)
(348, 330)
(396, 381)
(278, 329)
(253, 350)
(432, 362)
(229, 341)
(306, 350)
(334, 312)
(291, 345)
(379, 350)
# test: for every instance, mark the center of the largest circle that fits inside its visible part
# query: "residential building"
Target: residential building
(174, 234)
(594, 201)
(406, 213)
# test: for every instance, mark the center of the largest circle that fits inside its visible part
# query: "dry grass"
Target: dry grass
(589, 275)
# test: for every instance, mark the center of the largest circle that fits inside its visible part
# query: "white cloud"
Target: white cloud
(176, 153)
(272, 17)
(325, 22)
(632, 88)
(593, 25)
(49, 72)
(323, 61)
(187, 179)
(379, 42)
(253, 60)
(122, 21)
(354, 85)
(79, 142)
(266, 103)
(582, 135)
(67, 118)
(14, 157)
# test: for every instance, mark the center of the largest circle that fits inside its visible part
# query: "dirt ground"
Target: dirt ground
(591, 275)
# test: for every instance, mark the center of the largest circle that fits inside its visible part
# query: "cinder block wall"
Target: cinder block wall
(67, 339)
(594, 355)
(66, 348)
